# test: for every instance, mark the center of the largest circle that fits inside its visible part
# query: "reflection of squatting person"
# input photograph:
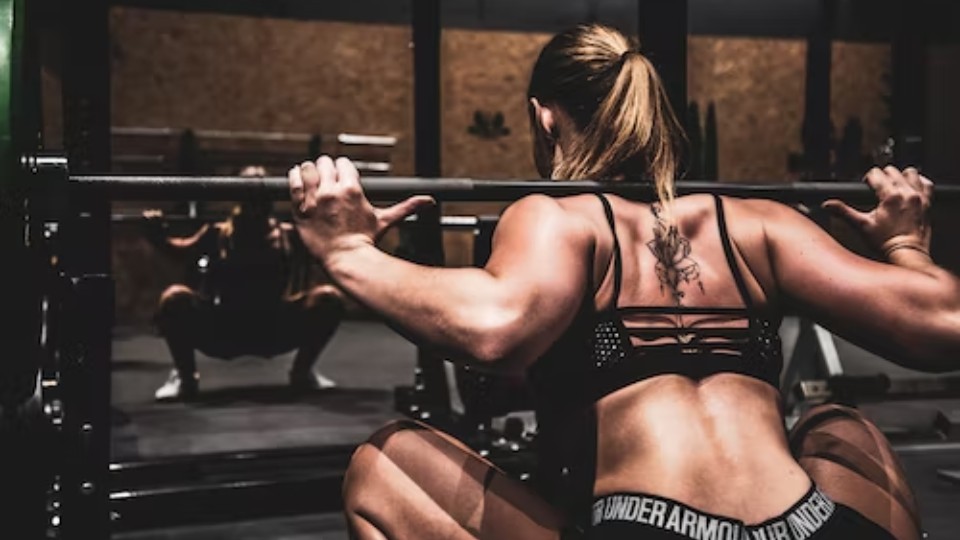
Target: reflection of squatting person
(250, 294)
(798, 523)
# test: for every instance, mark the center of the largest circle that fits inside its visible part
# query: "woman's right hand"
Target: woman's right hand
(901, 217)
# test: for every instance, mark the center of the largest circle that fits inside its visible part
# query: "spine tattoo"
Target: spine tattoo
(675, 268)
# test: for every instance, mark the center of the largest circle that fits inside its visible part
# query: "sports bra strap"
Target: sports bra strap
(728, 251)
(617, 262)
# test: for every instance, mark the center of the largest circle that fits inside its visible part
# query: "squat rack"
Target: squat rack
(65, 335)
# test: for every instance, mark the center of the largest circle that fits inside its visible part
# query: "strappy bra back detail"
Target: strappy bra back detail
(620, 345)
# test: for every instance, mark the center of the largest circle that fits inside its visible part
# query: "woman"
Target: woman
(253, 292)
(653, 352)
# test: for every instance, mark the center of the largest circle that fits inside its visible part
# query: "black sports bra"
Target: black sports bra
(605, 351)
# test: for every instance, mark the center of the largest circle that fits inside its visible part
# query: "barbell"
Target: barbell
(209, 188)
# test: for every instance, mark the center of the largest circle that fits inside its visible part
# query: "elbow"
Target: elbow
(496, 337)
(937, 348)
(484, 348)
(492, 348)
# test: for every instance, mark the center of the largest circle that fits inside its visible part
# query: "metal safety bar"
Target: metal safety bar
(447, 222)
(357, 139)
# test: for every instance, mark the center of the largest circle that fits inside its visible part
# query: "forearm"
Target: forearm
(906, 309)
(160, 236)
(462, 310)
(508, 312)
(169, 248)
(929, 327)
(934, 343)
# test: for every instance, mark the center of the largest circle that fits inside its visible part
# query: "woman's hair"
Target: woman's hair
(624, 124)
(260, 208)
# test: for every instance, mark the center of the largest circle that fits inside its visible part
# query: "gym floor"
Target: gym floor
(245, 404)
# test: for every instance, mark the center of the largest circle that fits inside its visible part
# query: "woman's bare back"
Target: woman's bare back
(713, 442)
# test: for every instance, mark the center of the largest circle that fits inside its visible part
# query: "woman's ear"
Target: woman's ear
(545, 147)
(544, 118)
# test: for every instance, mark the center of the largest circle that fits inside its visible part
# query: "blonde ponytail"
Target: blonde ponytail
(626, 128)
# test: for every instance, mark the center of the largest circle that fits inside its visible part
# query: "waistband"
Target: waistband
(801, 521)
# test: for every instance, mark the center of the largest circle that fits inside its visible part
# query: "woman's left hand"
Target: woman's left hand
(331, 211)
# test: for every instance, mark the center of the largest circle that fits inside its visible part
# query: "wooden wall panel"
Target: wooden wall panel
(757, 86)
(858, 85)
(487, 72)
(195, 70)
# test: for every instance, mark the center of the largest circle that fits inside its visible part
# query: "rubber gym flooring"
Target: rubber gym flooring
(245, 404)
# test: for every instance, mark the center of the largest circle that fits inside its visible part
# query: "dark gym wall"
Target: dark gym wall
(858, 20)
(943, 113)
